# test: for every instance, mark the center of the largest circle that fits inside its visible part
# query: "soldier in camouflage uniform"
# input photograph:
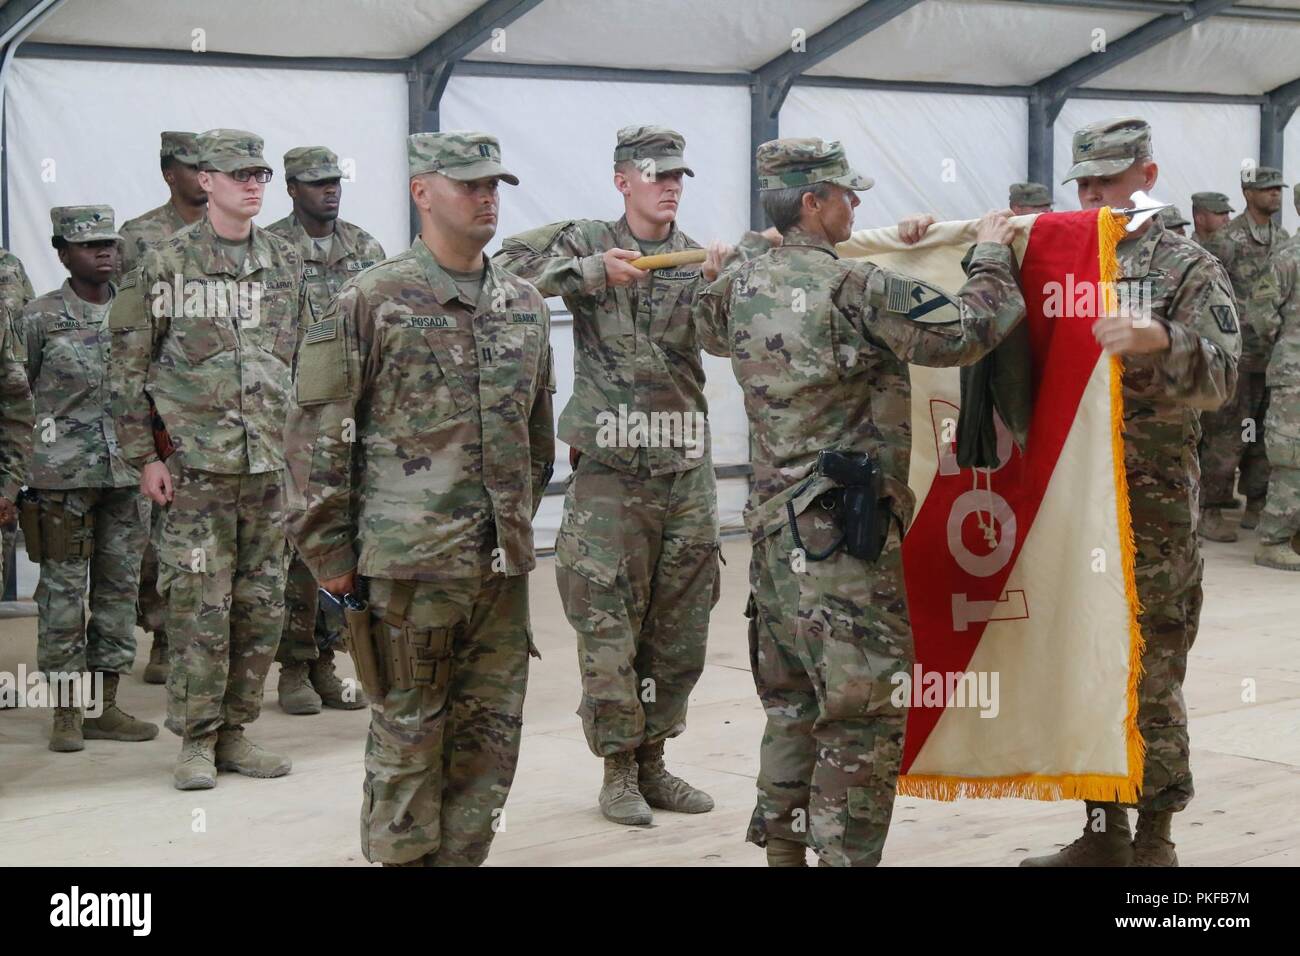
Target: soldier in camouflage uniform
(1174, 221)
(1027, 199)
(1178, 361)
(15, 292)
(207, 335)
(15, 399)
(418, 449)
(637, 552)
(187, 204)
(1234, 435)
(333, 252)
(822, 361)
(1279, 522)
(1210, 213)
(91, 516)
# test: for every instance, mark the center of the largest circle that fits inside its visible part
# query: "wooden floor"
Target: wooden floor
(113, 803)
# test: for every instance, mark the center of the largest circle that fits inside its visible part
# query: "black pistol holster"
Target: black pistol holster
(856, 505)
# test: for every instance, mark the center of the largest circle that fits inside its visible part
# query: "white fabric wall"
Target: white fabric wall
(88, 133)
(1197, 146)
(952, 156)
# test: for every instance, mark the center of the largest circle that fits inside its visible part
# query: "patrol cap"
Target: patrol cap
(457, 154)
(182, 147)
(226, 150)
(1211, 202)
(1109, 147)
(1261, 177)
(83, 223)
(783, 163)
(663, 147)
(1172, 218)
(311, 164)
(1029, 194)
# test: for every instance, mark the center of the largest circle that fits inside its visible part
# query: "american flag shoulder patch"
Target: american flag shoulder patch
(322, 330)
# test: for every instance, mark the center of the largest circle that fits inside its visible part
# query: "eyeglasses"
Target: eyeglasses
(244, 175)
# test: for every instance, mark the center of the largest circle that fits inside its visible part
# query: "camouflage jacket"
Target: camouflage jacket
(146, 230)
(822, 360)
(16, 414)
(634, 347)
(67, 365)
(210, 341)
(1244, 249)
(1164, 393)
(1281, 321)
(421, 438)
(15, 292)
(353, 250)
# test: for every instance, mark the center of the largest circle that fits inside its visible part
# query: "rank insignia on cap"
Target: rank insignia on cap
(1224, 319)
(918, 301)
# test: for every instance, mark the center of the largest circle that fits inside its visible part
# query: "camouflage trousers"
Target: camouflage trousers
(1224, 449)
(824, 642)
(637, 568)
(222, 557)
(111, 524)
(151, 609)
(1280, 520)
(441, 756)
(304, 622)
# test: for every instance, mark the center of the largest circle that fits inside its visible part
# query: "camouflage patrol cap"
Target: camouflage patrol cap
(783, 163)
(1172, 218)
(83, 223)
(1261, 177)
(1211, 202)
(227, 150)
(1029, 194)
(1109, 147)
(182, 147)
(457, 154)
(657, 145)
(311, 164)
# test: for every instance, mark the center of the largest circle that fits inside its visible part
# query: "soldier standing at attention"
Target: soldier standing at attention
(1210, 213)
(1026, 199)
(187, 204)
(418, 449)
(823, 363)
(208, 339)
(91, 516)
(1179, 360)
(1174, 221)
(637, 552)
(1234, 435)
(332, 251)
(15, 292)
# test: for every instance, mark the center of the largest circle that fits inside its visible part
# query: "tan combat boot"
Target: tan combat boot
(155, 672)
(66, 733)
(115, 723)
(1250, 520)
(1214, 527)
(334, 692)
(782, 852)
(620, 800)
(1111, 846)
(196, 767)
(296, 695)
(236, 752)
(1152, 846)
(1281, 556)
(664, 791)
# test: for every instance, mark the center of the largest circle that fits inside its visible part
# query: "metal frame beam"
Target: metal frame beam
(166, 57)
(771, 82)
(1274, 113)
(1163, 7)
(1050, 93)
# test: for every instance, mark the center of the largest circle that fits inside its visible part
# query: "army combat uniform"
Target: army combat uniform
(89, 515)
(419, 446)
(1163, 395)
(137, 235)
(15, 292)
(210, 339)
(1279, 523)
(822, 361)
(1208, 202)
(1244, 247)
(16, 415)
(328, 264)
(637, 552)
